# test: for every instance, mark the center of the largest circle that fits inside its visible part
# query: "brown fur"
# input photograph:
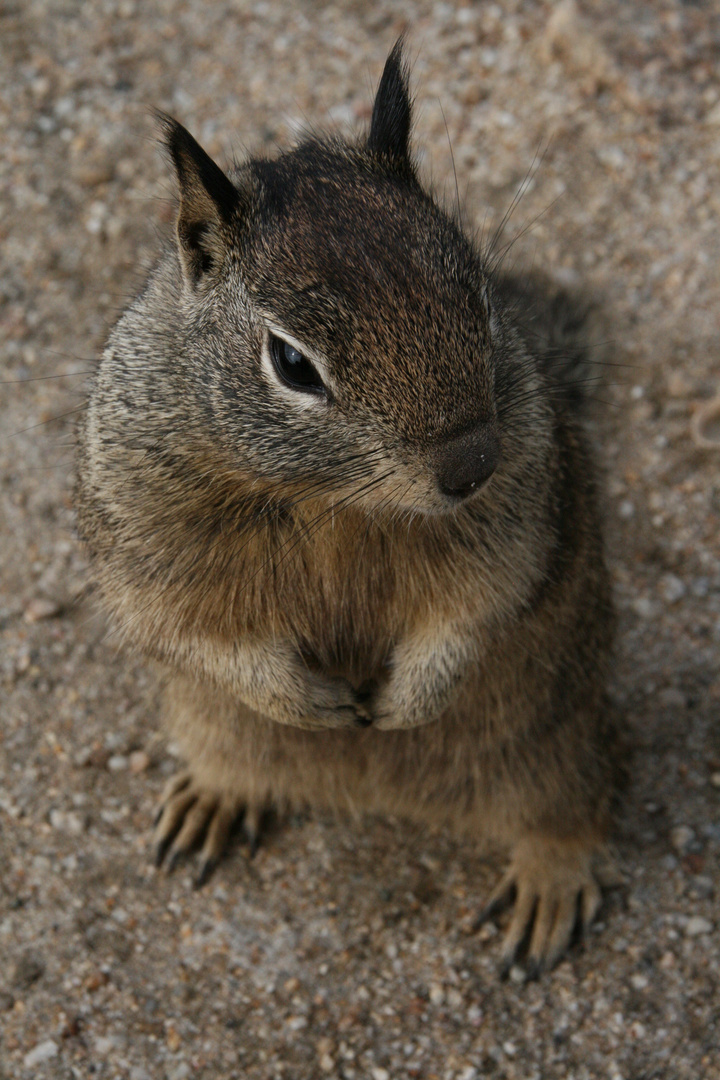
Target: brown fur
(308, 563)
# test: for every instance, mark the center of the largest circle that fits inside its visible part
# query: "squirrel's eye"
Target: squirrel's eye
(293, 368)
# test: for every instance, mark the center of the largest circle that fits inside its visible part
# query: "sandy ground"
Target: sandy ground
(343, 949)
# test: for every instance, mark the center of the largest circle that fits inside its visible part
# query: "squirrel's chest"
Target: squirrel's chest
(346, 596)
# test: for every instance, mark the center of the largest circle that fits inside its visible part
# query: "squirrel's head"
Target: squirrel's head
(343, 325)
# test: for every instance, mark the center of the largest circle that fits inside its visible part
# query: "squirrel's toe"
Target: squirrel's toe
(555, 892)
(191, 816)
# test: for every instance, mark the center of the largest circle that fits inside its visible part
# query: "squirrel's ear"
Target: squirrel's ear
(208, 202)
(389, 135)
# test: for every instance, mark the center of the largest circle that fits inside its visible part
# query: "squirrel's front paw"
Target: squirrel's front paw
(190, 815)
(554, 889)
(391, 709)
(336, 703)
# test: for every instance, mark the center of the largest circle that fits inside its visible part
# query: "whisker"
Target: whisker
(452, 159)
(44, 378)
(519, 194)
(50, 420)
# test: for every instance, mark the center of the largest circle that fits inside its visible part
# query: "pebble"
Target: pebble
(40, 608)
(44, 1051)
(643, 606)
(179, 1072)
(672, 588)
(117, 763)
(139, 761)
(27, 970)
(296, 1023)
(701, 888)
(380, 1074)
(67, 821)
(700, 587)
(681, 837)
(696, 926)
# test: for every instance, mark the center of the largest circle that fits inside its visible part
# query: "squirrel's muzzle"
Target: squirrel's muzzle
(467, 461)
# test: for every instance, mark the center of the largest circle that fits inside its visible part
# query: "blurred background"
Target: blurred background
(343, 949)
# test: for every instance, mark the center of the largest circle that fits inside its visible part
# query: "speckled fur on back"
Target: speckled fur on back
(328, 479)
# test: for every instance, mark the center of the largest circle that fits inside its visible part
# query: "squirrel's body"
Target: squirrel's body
(328, 481)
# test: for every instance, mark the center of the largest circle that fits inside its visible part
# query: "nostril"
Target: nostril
(460, 492)
(466, 462)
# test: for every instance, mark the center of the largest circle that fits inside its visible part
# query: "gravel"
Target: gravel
(342, 949)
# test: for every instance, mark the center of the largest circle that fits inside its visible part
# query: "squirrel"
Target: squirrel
(333, 476)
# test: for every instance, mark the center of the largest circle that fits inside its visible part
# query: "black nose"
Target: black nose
(465, 462)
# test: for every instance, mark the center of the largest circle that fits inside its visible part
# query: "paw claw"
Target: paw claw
(499, 901)
(504, 968)
(160, 850)
(251, 828)
(173, 859)
(190, 816)
(554, 889)
(206, 871)
(533, 970)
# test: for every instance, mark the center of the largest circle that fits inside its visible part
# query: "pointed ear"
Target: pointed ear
(208, 203)
(389, 135)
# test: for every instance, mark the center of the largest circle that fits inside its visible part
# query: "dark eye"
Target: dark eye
(293, 368)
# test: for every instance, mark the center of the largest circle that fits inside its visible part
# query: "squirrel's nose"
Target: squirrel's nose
(465, 462)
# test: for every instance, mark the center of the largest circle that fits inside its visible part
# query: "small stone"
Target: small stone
(672, 588)
(678, 386)
(380, 1074)
(327, 1064)
(117, 763)
(139, 761)
(40, 608)
(638, 982)
(700, 587)
(626, 509)
(715, 779)
(173, 1040)
(643, 607)
(437, 994)
(296, 1023)
(701, 888)
(27, 970)
(67, 822)
(681, 837)
(179, 1072)
(44, 1051)
(697, 926)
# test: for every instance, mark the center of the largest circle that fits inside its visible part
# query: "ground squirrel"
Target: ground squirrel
(333, 476)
